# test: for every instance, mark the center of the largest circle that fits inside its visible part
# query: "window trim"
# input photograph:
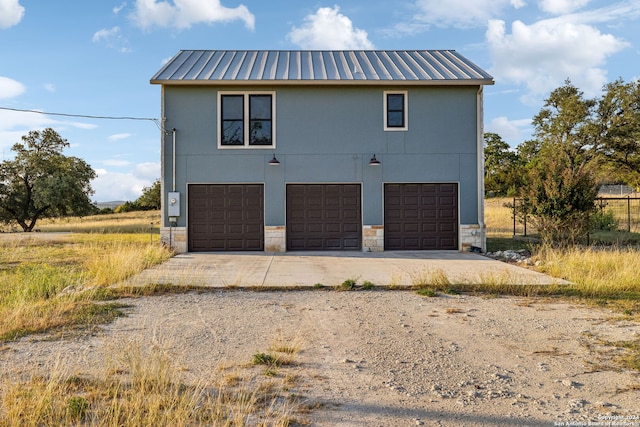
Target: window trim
(246, 121)
(405, 110)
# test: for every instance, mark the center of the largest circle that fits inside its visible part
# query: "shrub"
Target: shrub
(604, 220)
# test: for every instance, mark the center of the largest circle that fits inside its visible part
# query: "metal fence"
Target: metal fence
(625, 211)
(615, 190)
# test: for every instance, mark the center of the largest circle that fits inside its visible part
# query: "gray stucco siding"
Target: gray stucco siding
(328, 134)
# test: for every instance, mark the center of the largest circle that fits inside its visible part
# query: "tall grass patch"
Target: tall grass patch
(51, 283)
(143, 387)
(128, 222)
(610, 273)
(497, 217)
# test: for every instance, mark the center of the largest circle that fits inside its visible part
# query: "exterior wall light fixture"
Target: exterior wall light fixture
(274, 161)
(374, 161)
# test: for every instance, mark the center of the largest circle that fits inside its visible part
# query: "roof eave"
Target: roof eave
(441, 82)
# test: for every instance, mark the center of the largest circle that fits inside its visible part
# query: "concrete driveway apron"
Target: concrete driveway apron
(306, 269)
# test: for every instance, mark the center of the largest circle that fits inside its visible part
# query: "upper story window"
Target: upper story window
(395, 111)
(246, 120)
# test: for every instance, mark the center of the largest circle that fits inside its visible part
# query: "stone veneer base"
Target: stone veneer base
(275, 238)
(174, 237)
(472, 235)
(373, 238)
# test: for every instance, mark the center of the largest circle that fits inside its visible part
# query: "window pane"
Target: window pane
(395, 119)
(232, 107)
(260, 132)
(395, 102)
(232, 132)
(260, 107)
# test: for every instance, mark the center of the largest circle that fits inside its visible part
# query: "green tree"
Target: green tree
(616, 131)
(560, 188)
(563, 126)
(559, 200)
(40, 182)
(500, 166)
(151, 196)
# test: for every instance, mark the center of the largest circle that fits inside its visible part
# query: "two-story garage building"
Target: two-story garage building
(322, 150)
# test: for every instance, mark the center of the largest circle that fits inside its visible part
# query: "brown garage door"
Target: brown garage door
(420, 216)
(226, 217)
(323, 217)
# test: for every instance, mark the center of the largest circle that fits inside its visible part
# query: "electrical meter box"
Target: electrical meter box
(173, 205)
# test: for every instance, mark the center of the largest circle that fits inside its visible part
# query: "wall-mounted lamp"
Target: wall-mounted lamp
(274, 161)
(374, 161)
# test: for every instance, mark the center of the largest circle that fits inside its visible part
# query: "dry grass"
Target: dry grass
(51, 281)
(498, 218)
(129, 222)
(143, 386)
(595, 272)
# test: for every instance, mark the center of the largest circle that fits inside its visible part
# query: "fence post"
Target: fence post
(514, 216)
(628, 214)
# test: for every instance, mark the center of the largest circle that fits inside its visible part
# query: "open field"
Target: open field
(622, 225)
(77, 351)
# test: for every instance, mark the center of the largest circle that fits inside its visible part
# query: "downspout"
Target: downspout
(173, 154)
(480, 124)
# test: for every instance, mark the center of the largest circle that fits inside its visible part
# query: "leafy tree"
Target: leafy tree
(563, 126)
(127, 207)
(559, 200)
(151, 196)
(40, 182)
(560, 188)
(616, 131)
(500, 166)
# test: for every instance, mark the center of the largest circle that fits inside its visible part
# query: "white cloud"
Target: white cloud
(148, 170)
(512, 131)
(329, 29)
(184, 13)
(117, 9)
(113, 39)
(21, 120)
(461, 13)
(11, 13)
(15, 124)
(559, 7)
(111, 186)
(544, 54)
(49, 87)
(119, 136)
(10, 88)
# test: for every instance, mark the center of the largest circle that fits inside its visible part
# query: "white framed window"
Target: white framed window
(395, 105)
(246, 120)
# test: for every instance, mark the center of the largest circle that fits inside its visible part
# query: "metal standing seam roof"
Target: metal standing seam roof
(314, 67)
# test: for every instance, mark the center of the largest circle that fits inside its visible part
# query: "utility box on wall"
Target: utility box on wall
(173, 207)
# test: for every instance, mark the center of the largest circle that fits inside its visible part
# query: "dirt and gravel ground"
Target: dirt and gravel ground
(385, 358)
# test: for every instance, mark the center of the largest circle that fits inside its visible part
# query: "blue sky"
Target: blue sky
(95, 58)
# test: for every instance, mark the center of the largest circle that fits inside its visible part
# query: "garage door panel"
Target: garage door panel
(333, 228)
(351, 215)
(421, 216)
(312, 228)
(447, 214)
(226, 217)
(353, 244)
(323, 216)
(428, 214)
(351, 228)
(332, 215)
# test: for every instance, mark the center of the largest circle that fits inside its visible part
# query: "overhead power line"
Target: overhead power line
(86, 116)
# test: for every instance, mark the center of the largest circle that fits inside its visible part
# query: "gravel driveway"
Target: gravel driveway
(383, 358)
